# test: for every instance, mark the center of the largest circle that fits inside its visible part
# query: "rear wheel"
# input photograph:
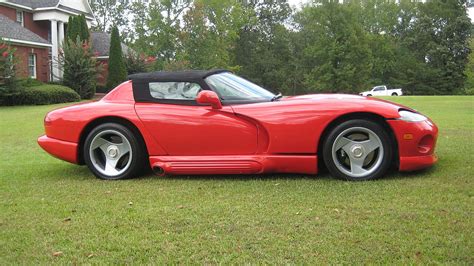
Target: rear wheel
(394, 94)
(112, 151)
(357, 150)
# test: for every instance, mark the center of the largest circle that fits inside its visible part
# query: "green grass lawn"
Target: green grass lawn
(49, 206)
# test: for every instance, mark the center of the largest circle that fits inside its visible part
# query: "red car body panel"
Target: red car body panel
(280, 136)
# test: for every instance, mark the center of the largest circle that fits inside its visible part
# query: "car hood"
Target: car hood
(346, 98)
(321, 105)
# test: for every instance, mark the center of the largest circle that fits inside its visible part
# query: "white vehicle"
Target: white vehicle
(382, 91)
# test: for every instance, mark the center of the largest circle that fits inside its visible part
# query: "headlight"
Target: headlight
(411, 117)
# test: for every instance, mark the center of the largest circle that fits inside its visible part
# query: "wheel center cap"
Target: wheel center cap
(112, 151)
(357, 151)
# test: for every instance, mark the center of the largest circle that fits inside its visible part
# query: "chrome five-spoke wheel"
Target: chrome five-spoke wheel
(358, 150)
(113, 151)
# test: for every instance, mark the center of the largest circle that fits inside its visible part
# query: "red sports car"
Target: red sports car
(214, 122)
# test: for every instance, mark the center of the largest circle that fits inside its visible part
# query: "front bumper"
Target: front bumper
(416, 143)
(60, 149)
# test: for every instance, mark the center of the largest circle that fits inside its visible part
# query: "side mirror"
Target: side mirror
(209, 98)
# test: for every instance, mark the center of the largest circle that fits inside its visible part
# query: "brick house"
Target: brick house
(36, 29)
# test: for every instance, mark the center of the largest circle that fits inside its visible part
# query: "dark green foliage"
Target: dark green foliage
(336, 54)
(101, 89)
(84, 30)
(117, 69)
(469, 71)
(264, 48)
(80, 68)
(38, 95)
(77, 28)
(323, 47)
(8, 80)
(135, 63)
(29, 82)
(73, 30)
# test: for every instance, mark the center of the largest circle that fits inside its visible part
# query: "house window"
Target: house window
(32, 65)
(20, 18)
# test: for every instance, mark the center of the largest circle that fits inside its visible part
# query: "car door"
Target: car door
(379, 91)
(184, 128)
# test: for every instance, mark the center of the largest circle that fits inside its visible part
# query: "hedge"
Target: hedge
(38, 95)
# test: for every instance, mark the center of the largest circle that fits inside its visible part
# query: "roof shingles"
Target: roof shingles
(101, 44)
(10, 29)
(35, 3)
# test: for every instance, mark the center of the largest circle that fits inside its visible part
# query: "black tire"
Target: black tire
(394, 94)
(368, 95)
(376, 128)
(137, 163)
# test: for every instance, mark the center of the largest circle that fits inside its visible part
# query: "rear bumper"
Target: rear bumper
(60, 149)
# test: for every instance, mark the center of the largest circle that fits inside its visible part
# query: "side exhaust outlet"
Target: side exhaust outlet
(158, 170)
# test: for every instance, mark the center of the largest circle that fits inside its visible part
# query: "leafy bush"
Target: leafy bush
(8, 62)
(80, 68)
(29, 82)
(135, 63)
(469, 91)
(38, 95)
(102, 89)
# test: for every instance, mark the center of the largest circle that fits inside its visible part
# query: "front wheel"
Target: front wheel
(368, 95)
(112, 151)
(357, 150)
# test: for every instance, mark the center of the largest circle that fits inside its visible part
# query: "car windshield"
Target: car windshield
(233, 88)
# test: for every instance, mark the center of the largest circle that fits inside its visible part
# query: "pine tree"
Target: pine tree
(77, 26)
(84, 30)
(117, 69)
(72, 28)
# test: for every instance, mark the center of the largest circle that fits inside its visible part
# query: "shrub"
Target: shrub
(80, 68)
(469, 91)
(135, 63)
(8, 81)
(29, 82)
(38, 95)
(102, 89)
(117, 70)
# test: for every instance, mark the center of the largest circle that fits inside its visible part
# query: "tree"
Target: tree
(109, 13)
(135, 63)
(336, 54)
(80, 68)
(264, 50)
(8, 80)
(73, 28)
(210, 29)
(77, 27)
(441, 37)
(157, 28)
(117, 70)
(469, 71)
(84, 30)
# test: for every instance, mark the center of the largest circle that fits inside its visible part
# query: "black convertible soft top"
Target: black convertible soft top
(176, 76)
(141, 83)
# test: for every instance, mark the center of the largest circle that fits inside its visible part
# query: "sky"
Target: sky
(297, 3)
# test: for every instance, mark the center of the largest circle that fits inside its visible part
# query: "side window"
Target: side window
(378, 88)
(174, 90)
